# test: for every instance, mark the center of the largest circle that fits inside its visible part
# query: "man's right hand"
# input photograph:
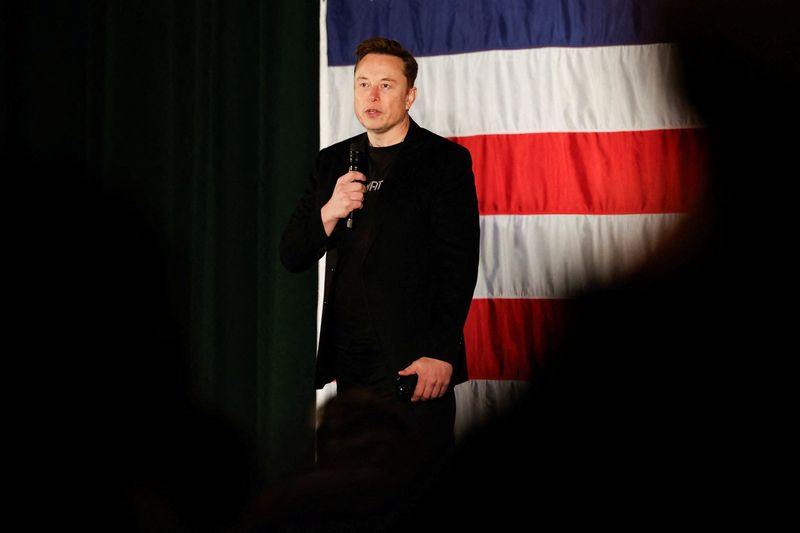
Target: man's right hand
(347, 195)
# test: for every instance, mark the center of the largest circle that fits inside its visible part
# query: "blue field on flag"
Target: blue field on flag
(460, 26)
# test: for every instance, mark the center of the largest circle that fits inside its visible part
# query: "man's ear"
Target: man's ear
(410, 97)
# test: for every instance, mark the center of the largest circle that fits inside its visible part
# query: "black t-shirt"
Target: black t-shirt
(351, 324)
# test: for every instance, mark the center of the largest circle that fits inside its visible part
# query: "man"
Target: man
(399, 282)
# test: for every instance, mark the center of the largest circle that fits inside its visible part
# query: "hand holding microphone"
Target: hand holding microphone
(348, 195)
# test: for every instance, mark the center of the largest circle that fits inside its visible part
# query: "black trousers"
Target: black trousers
(361, 368)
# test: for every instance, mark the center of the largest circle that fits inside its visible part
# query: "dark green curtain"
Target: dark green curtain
(204, 114)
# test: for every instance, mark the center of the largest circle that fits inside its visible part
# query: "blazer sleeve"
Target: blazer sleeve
(456, 244)
(304, 240)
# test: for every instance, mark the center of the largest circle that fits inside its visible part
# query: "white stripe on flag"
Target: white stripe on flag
(555, 256)
(597, 89)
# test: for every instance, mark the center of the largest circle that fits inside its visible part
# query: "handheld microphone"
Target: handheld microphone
(355, 164)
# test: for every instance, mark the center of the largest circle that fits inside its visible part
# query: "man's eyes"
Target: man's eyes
(365, 85)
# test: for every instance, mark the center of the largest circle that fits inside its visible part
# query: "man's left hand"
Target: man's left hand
(433, 377)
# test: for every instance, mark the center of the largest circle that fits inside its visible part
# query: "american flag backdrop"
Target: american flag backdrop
(584, 155)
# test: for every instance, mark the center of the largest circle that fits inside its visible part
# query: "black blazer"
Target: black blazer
(421, 263)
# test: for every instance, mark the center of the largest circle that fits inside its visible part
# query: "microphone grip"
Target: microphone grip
(354, 164)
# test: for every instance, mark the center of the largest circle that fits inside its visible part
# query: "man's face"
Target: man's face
(382, 95)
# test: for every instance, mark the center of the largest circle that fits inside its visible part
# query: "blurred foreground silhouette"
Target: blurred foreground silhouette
(105, 433)
(670, 398)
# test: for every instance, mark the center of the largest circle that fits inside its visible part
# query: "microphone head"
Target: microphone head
(356, 149)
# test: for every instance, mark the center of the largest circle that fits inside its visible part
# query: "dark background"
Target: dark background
(203, 116)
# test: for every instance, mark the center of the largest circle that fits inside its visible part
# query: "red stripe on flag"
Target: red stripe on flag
(506, 338)
(657, 171)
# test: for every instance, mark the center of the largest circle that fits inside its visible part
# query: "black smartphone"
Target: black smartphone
(406, 386)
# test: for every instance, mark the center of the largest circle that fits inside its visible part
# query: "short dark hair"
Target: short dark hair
(389, 47)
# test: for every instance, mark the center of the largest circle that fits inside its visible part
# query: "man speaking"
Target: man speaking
(396, 211)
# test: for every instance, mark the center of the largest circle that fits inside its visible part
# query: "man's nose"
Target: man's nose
(373, 94)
